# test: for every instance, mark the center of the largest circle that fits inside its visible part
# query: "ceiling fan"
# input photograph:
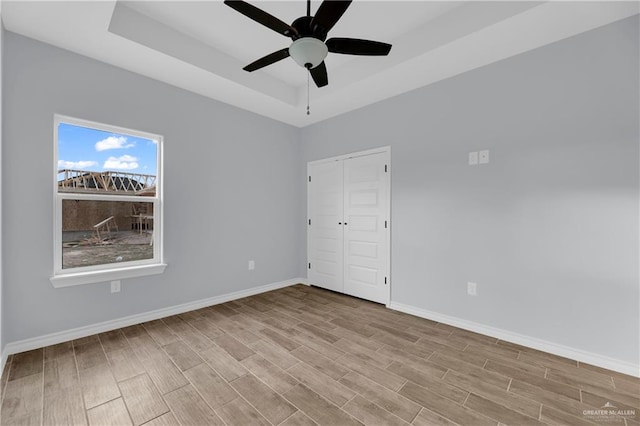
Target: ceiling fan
(309, 34)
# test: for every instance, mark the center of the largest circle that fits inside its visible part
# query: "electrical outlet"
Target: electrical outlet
(483, 157)
(252, 265)
(473, 158)
(115, 286)
(472, 289)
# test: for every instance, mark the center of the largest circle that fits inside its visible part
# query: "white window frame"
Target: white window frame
(111, 271)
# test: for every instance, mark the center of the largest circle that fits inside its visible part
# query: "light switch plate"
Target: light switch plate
(484, 157)
(252, 265)
(115, 286)
(473, 158)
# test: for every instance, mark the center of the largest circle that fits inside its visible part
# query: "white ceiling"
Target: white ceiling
(202, 46)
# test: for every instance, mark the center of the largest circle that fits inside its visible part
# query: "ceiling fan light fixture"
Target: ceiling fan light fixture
(308, 50)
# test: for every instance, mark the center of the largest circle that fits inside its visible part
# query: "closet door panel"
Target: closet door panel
(365, 236)
(325, 232)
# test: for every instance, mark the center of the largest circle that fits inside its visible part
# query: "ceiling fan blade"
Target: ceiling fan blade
(327, 15)
(355, 46)
(261, 17)
(319, 75)
(268, 60)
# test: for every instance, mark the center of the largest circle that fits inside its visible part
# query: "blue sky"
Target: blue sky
(82, 148)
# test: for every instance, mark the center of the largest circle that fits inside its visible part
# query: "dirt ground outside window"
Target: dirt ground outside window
(84, 249)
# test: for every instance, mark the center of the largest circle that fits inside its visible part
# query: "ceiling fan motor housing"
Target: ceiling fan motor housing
(308, 52)
(305, 28)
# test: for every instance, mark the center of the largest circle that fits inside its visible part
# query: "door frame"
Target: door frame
(381, 150)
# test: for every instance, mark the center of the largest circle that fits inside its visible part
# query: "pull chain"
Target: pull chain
(308, 72)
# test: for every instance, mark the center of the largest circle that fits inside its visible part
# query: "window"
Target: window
(108, 204)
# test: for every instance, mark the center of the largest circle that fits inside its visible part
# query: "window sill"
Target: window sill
(68, 280)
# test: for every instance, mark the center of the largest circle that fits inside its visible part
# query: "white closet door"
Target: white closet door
(325, 236)
(366, 198)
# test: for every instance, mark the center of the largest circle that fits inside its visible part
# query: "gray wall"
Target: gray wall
(548, 229)
(230, 191)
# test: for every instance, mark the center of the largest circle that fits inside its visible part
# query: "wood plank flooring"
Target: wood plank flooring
(304, 356)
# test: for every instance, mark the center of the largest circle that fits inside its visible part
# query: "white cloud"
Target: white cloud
(62, 164)
(125, 162)
(113, 142)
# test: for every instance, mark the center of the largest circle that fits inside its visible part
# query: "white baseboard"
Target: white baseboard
(77, 333)
(542, 345)
(520, 339)
(3, 360)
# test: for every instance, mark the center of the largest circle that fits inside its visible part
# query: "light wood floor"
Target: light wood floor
(302, 355)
